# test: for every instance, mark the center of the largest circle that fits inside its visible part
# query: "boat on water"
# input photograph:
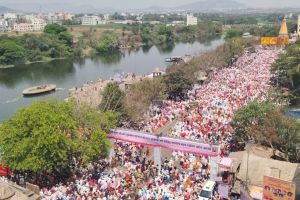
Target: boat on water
(173, 59)
(41, 89)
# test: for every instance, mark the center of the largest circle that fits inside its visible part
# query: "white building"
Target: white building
(191, 20)
(38, 24)
(4, 25)
(298, 29)
(23, 27)
(90, 20)
(10, 16)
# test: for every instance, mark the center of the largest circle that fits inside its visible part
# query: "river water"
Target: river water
(69, 73)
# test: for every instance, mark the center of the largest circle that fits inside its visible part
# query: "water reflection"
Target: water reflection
(69, 73)
(57, 69)
(166, 48)
(108, 58)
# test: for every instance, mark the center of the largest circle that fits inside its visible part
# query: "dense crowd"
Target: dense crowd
(204, 116)
(117, 178)
(209, 108)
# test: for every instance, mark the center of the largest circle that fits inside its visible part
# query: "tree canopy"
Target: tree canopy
(54, 29)
(247, 115)
(108, 43)
(177, 84)
(266, 124)
(11, 52)
(140, 95)
(112, 98)
(48, 135)
(287, 68)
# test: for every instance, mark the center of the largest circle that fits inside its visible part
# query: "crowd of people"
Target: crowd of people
(204, 116)
(209, 108)
(116, 178)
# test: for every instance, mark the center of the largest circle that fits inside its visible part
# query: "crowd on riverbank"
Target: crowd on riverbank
(209, 108)
(205, 115)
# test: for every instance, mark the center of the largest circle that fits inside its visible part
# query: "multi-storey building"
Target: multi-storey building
(38, 24)
(90, 20)
(23, 27)
(191, 20)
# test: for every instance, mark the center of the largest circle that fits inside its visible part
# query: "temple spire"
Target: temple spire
(283, 29)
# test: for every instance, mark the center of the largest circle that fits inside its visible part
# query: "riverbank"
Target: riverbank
(91, 93)
(47, 60)
(69, 73)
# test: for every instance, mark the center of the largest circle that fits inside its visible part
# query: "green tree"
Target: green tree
(287, 68)
(232, 33)
(278, 131)
(139, 97)
(91, 142)
(54, 29)
(34, 139)
(46, 136)
(112, 98)
(11, 52)
(177, 84)
(253, 113)
(66, 37)
(108, 43)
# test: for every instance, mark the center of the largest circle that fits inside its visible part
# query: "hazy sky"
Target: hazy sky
(147, 3)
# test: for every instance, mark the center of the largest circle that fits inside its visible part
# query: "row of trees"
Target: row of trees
(48, 136)
(266, 124)
(161, 34)
(287, 70)
(55, 42)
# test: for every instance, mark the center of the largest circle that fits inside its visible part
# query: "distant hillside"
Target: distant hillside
(4, 9)
(53, 7)
(210, 5)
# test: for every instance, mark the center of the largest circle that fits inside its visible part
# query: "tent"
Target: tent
(226, 164)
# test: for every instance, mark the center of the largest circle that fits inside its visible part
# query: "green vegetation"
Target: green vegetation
(11, 52)
(140, 95)
(54, 43)
(112, 98)
(108, 43)
(268, 125)
(54, 29)
(232, 33)
(162, 34)
(287, 67)
(177, 84)
(254, 112)
(48, 135)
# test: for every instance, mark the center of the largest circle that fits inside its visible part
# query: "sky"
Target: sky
(125, 4)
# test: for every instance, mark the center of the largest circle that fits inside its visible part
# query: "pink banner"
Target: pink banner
(174, 144)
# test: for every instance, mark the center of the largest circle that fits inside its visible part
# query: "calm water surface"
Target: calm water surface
(69, 73)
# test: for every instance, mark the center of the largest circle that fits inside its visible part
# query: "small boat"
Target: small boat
(41, 89)
(173, 59)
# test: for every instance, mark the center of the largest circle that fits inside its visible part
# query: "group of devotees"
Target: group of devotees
(205, 116)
